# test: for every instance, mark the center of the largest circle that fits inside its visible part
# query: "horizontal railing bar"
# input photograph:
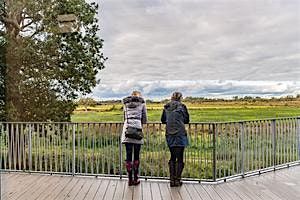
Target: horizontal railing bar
(261, 171)
(99, 175)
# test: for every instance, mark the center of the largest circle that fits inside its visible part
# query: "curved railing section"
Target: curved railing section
(216, 151)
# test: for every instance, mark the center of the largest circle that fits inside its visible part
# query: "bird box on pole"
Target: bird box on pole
(67, 23)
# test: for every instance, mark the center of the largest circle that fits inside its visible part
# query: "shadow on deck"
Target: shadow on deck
(282, 184)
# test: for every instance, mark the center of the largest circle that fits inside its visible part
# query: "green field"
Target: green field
(198, 113)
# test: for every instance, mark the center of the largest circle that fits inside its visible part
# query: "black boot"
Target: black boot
(172, 173)
(179, 169)
(129, 172)
(136, 165)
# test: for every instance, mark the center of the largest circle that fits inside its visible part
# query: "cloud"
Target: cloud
(198, 88)
(241, 40)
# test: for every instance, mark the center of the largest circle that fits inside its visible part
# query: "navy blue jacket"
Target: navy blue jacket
(176, 134)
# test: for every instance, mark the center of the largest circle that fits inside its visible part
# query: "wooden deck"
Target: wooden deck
(282, 184)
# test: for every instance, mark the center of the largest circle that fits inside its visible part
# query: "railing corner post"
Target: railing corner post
(242, 148)
(73, 149)
(298, 135)
(120, 154)
(30, 148)
(214, 153)
(273, 129)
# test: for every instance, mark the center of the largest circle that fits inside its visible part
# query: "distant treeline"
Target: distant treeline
(245, 98)
(92, 102)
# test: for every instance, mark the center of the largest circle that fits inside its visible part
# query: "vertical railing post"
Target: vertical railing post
(30, 148)
(242, 148)
(298, 136)
(214, 154)
(2, 140)
(73, 149)
(10, 147)
(273, 129)
(120, 151)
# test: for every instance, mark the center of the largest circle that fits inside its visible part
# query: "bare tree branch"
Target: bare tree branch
(37, 31)
(28, 24)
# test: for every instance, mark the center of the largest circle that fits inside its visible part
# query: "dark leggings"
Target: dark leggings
(135, 148)
(176, 154)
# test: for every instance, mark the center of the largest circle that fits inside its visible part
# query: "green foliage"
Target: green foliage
(54, 68)
(239, 99)
(87, 102)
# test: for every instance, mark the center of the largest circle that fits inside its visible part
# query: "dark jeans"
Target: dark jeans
(132, 148)
(177, 154)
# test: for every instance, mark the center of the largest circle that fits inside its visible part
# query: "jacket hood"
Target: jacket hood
(172, 105)
(133, 101)
(130, 99)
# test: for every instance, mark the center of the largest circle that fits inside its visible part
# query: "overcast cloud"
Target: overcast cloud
(201, 47)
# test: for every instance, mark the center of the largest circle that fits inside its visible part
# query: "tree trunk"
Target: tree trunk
(13, 95)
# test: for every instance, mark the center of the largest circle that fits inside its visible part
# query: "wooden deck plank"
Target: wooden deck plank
(220, 192)
(278, 185)
(120, 190)
(184, 193)
(47, 188)
(146, 189)
(54, 191)
(38, 189)
(137, 192)
(231, 192)
(259, 189)
(17, 184)
(192, 191)
(93, 189)
(211, 192)
(202, 193)
(75, 190)
(102, 189)
(128, 192)
(111, 189)
(289, 180)
(27, 187)
(164, 191)
(253, 191)
(155, 191)
(2, 177)
(65, 189)
(174, 191)
(242, 189)
(85, 189)
(16, 188)
(9, 180)
(7, 175)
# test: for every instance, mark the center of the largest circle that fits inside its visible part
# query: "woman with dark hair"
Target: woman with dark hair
(135, 115)
(175, 115)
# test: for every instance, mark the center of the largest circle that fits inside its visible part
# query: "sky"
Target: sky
(205, 48)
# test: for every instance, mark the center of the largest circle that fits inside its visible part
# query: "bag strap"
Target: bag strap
(126, 111)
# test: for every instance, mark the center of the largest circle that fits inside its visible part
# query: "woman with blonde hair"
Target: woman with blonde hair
(135, 115)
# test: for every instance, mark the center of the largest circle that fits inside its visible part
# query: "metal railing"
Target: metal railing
(216, 151)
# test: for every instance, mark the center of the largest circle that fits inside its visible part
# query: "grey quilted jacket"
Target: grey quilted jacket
(135, 114)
